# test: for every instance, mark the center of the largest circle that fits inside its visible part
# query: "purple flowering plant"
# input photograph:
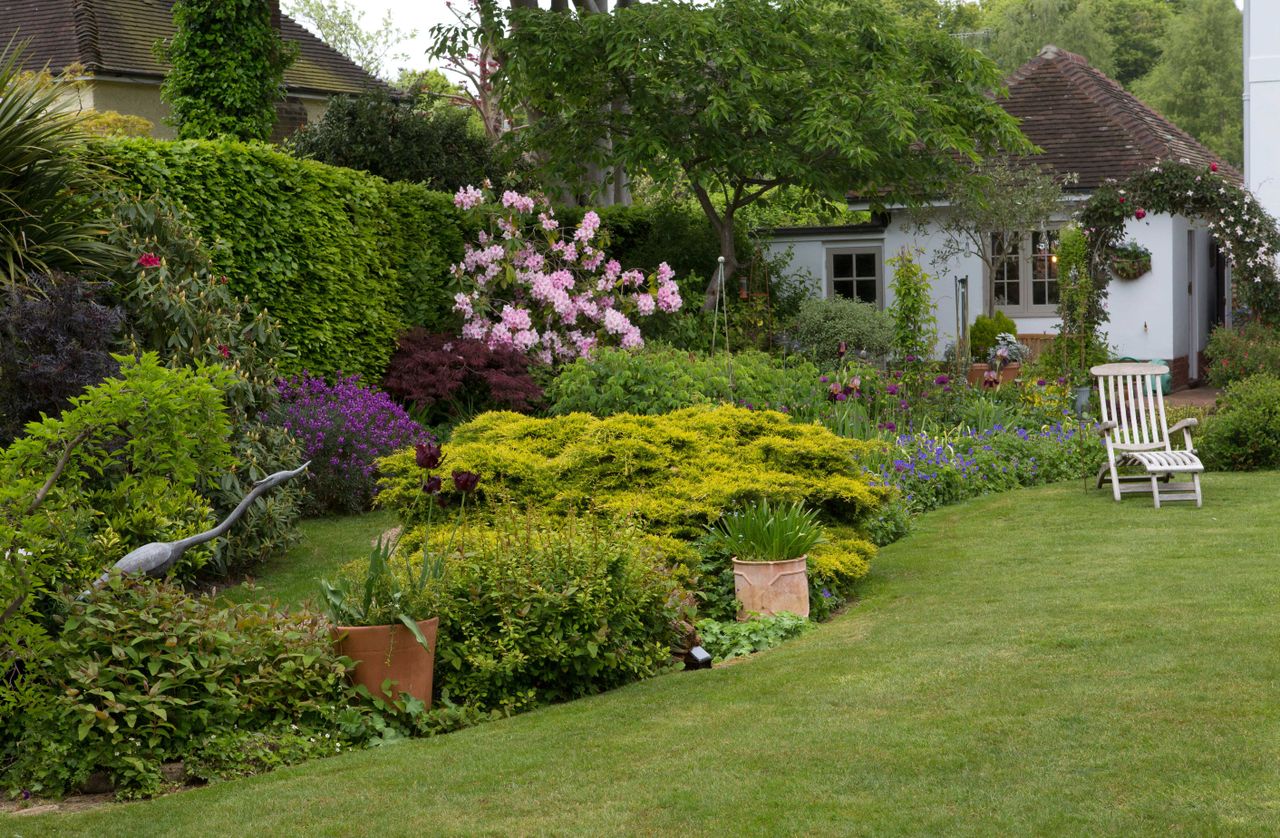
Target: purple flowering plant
(344, 428)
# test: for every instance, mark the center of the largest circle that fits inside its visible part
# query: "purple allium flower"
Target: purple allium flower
(1040, 382)
(824, 379)
(942, 380)
(911, 359)
(465, 481)
(891, 389)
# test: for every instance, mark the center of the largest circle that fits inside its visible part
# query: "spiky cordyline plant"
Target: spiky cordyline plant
(48, 218)
(769, 533)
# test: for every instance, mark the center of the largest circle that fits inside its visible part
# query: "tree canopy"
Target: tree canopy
(742, 97)
(1199, 80)
(342, 27)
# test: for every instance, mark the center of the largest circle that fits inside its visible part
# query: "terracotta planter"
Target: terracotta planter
(383, 652)
(772, 587)
(1009, 372)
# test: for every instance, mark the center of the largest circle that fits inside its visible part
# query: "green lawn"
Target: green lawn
(326, 545)
(1042, 662)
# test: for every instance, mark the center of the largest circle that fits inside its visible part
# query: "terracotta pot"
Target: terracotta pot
(772, 587)
(383, 652)
(1009, 372)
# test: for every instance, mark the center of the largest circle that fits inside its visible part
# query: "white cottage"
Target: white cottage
(1088, 125)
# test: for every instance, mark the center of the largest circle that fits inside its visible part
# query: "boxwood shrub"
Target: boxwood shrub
(343, 259)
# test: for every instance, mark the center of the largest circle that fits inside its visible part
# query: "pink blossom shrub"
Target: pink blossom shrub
(550, 293)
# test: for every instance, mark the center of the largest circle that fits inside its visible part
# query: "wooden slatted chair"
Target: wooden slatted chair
(1137, 435)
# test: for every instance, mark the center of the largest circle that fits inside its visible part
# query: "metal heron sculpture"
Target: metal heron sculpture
(157, 557)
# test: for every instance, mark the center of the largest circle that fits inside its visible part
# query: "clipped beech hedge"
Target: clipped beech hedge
(344, 260)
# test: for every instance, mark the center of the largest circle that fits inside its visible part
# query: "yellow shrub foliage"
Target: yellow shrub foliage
(842, 561)
(676, 472)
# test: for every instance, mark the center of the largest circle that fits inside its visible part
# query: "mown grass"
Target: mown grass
(1044, 662)
(326, 545)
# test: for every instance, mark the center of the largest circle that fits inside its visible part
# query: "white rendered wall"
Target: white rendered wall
(1262, 101)
(1149, 317)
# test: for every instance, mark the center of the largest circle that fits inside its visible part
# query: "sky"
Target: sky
(422, 15)
(407, 14)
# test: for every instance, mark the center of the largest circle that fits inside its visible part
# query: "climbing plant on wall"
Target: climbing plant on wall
(228, 69)
(1245, 231)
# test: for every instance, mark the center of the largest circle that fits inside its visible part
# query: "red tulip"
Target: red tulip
(1213, 167)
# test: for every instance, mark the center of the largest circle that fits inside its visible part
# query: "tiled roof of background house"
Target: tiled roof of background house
(1088, 124)
(116, 38)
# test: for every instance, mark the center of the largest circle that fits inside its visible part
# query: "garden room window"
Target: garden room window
(856, 274)
(1025, 279)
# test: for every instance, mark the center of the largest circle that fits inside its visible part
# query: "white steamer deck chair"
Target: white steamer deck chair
(1136, 434)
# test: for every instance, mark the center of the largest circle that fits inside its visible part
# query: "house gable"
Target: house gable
(116, 38)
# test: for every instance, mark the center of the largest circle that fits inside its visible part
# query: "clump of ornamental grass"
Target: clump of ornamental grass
(764, 532)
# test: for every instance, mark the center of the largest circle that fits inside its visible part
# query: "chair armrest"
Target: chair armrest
(1104, 428)
(1190, 422)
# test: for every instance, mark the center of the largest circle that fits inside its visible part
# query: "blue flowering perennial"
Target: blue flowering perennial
(932, 471)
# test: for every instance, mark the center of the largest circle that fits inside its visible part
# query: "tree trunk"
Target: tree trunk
(724, 230)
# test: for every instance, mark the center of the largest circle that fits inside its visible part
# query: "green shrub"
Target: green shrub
(136, 449)
(915, 327)
(144, 674)
(822, 324)
(1245, 432)
(343, 260)
(732, 639)
(983, 332)
(1234, 354)
(398, 139)
(678, 472)
(661, 379)
(535, 610)
(185, 312)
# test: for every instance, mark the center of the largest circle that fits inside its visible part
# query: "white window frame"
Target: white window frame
(856, 250)
(1025, 279)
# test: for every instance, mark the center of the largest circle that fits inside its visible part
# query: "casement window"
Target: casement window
(1025, 277)
(856, 273)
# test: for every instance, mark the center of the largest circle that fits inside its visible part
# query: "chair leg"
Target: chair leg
(1155, 489)
(1195, 479)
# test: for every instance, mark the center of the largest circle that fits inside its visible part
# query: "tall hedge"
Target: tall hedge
(344, 260)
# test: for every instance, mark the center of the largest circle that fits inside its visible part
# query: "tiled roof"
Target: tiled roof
(116, 38)
(1089, 125)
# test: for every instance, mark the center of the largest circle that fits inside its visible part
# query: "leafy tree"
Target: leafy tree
(1007, 197)
(228, 69)
(341, 26)
(752, 95)
(1199, 81)
(1021, 28)
(1137, 30)
(395, 139)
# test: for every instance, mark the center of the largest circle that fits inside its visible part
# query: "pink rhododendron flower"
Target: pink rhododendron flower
(468, 197)
(516, 318)
(645, 304)
(525, 339)
(462, 303)
(475, 329)
(149, 260)
(548, 223)
(615, 322)
(631, 338)
(669, 297)
(514, 200)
